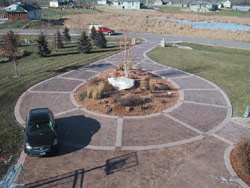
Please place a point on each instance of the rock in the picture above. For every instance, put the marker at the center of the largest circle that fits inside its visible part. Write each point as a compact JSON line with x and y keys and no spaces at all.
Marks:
{"x":110,"y":109}
{"x":129,"y":109}
{"x":121,"y":83}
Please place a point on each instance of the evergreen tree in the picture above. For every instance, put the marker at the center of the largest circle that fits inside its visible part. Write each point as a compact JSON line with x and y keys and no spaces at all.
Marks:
{"x":66,"y":35}
{"x":100,"y":40}
{"x":42,"y":46}
{"x":84,"y":44}
{"x":58,"y":41}
{"x":93,"y":34}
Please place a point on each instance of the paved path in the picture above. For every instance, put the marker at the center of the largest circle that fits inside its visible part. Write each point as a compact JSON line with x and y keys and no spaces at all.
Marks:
{"x":187,"y":145}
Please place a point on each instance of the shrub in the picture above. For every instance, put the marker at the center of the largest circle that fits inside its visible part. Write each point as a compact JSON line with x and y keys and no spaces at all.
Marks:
{"x":89,"y":92}
{"x":100,"y":88}
{"x":143,"y":84}
{"x":152,"y":84}
{"x":82,"y":96}
{"x":96,"y":91}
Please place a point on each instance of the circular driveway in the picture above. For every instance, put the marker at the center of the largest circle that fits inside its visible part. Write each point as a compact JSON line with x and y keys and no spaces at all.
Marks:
{"x":203,"y":113}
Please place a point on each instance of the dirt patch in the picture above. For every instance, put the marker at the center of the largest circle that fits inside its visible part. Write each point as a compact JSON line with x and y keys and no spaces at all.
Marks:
{"x":151,"y":22}
{"x":151,"y":94}
{"x":240,"y":160}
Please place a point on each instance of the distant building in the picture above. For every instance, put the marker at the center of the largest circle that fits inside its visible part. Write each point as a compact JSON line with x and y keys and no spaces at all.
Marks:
{"x":54,"y":4}
{"x":102,"y":2}
{"x":203,"y":7}
{"x":23,"y":10}
{"x":227,"y":4}
{"x":158,"y":2}
{"x":127,"y":4}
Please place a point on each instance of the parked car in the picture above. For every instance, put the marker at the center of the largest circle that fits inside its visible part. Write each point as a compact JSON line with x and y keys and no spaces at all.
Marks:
{"x":105,"y":30}
{"x":40,"y":134}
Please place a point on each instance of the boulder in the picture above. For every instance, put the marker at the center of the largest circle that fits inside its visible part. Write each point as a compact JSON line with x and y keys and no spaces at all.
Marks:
{"x":121,"y":83}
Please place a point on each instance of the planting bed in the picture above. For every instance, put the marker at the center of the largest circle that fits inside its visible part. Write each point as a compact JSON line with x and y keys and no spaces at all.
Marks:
{"x":240,"y":160}
{"x":150,"y":94}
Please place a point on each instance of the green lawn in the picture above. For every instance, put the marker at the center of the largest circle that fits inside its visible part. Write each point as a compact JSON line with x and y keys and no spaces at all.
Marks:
{"x":32,"y":70}
{"x":226,"y":67}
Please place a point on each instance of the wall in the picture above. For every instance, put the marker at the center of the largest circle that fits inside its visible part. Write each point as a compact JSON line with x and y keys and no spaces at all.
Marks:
{"x":17,"y":16}
{"x":35,"y":15}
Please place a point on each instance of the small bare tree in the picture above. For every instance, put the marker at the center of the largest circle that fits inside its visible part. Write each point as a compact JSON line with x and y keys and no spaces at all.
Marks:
{"x":9,"y":48}
{"x":127,"y":52}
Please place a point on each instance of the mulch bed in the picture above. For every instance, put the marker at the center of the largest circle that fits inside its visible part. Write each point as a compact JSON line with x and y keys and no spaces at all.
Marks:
{"x":136,"y":101}
{"x":240,"y":160}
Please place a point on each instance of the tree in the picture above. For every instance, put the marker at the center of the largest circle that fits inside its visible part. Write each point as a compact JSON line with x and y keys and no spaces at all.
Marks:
{"x":9,"y":48}
{"x":93,"y":33}
{"x":84,"y":44}
{"x":58,"y":41}
{"x":100,"y":40}
{"x":42,"y":46}
{"x":66,"y":35}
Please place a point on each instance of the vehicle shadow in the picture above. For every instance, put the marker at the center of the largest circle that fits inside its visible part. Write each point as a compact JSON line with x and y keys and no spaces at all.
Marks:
{"x":76,"y":178}
{"x":75,"y":133}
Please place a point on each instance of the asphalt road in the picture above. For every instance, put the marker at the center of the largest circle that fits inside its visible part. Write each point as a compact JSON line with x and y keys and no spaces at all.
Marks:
{"x":168,"y":38}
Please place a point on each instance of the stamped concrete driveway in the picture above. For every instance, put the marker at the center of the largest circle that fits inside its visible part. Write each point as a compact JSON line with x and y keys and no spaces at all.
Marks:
{"x":185,"y":146}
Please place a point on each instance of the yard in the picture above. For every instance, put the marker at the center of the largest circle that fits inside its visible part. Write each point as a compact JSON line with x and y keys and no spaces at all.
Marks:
{"x":228,"y":68}
{"x":51,"y":18}
{"x":32,"y":70}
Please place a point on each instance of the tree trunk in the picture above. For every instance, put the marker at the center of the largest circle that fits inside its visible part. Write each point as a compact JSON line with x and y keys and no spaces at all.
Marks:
{"x":15,"y":65}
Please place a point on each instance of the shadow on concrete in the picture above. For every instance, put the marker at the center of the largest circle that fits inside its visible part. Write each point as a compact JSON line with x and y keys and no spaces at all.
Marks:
{"x":75,"y":133}
{"x":76,"y":178}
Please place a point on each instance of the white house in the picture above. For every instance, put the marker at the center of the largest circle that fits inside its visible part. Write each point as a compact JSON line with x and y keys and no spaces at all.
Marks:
{"x":158,"y":2}
{"x":227,"y":4}
{"x":53,"y":4}
{"x":102,"y":2}
{"x":128,"y":4}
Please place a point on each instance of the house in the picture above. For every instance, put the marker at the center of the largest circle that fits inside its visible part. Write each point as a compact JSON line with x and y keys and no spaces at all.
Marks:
{"x":158,"y":2}
{"x":205,"y":7}
{"x":23,"y":10}
{"x":102,"y":2}
{"x":53,"y":4}
{"x":128,"y":4}
{"x":227,"y":4}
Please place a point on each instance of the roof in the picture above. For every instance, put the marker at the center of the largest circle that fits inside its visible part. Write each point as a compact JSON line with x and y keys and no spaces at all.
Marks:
{"x":21,"y":7}
{"x":41,"y":114}
{"x":127,"y":1}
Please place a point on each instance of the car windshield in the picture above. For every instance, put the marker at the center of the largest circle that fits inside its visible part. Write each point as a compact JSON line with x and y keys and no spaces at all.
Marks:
{"x":40,"y":127}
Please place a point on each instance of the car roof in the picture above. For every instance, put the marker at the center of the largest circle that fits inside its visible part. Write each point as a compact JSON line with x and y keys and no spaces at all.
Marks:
{"x":40,"y":114}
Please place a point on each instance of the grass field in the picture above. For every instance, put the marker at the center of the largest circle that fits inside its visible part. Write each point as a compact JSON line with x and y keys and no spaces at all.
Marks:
{"x":226,"y":67}
{"x":222,"y":12}
{"x":32,"y":70}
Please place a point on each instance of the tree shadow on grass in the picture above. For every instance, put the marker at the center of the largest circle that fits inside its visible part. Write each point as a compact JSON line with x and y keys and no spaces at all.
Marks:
{"x":75,"y":133}
{"x":63,"y":54}
{"x":101,"y":51}
{"x":76,"y":178}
